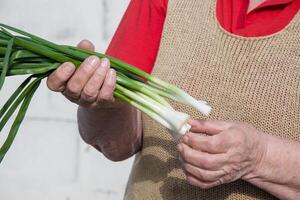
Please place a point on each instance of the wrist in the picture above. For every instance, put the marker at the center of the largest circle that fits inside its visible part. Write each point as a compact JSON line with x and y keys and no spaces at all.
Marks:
{"x":257,"y":170}
{"x":102,"y":124}
{"x":277,"y":172}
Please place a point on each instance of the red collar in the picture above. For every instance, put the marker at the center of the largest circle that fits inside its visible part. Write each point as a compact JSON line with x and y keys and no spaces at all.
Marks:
{"x":271,"y":3}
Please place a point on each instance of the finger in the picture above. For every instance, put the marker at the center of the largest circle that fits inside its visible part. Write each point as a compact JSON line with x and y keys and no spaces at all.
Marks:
{"x":92,"y":87}
{"x":87,"y":45}
{"x":210,"y":127}
{"x":106,"y":92}
{"x":77,"y":82}
{"x":58,"y":79}
{"x":198,"y":183}
{"x":202,"y":159}
{"x":210,"y":144}
{"x":202,"y":174}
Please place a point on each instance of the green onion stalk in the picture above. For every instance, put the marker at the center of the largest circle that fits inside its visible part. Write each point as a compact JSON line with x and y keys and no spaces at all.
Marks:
{"x":22,"y":53}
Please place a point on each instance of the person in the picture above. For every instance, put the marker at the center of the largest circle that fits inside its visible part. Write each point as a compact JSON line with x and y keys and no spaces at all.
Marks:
{"x":243,"y":57}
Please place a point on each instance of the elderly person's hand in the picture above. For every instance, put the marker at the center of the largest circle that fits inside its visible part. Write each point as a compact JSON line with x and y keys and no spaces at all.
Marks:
{"x":111,"y":126}
{"x":217,"y":152}
{"x":91,"y":85}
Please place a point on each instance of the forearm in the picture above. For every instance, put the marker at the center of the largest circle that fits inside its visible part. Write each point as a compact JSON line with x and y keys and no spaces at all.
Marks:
{"x":279,"y":170}
{"x":115,"y":130}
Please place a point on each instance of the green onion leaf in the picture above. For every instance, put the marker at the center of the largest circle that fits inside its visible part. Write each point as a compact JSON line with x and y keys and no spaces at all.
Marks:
{"x":20,"y":54}
{"x":2,"y":51}
{"x":18,"y":120}
{"x":33,"y":68}
{"x":3,"y":42}
{"x":6,"y":62}
{"x":15,"y":105}
{"x":14,"y":96}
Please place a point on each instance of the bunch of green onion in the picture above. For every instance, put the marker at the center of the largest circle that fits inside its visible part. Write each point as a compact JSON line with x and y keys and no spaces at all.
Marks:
{"x":22,"y":53}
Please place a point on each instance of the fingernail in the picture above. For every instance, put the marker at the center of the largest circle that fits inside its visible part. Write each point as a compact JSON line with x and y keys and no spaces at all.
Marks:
{"x":104,"y":62}
{"x":68,"y":68}
{"x":111,"y":74}
{"x":93,"y":60}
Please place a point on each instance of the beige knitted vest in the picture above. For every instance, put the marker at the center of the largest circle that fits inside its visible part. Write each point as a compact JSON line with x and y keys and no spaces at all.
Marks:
{"x":254,"y":80}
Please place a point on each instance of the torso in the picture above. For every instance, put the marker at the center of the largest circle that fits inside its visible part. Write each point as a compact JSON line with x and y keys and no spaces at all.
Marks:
{"x":255,"y":80}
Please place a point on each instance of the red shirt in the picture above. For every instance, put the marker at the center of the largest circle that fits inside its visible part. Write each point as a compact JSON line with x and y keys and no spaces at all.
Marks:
{"x":137,"y":38}
{"x":268,"y":18}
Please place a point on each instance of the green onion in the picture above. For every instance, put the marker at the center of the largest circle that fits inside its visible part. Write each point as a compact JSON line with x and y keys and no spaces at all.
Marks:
{"x":30,"y":90}
{"x":6,"y":61}
{"x":22,"y":53}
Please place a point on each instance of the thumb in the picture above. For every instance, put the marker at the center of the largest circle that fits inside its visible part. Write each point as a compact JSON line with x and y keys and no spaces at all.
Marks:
{"x":87,"y":45}
{"x":209,"y":127}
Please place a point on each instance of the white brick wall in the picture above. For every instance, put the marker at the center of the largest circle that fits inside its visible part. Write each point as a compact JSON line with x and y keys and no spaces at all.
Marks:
{"x":48,"y":159}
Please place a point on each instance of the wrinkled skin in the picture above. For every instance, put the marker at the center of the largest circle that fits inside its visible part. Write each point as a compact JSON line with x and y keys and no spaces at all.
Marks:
{"x":229,"y":151}
{"x":219,"y":152}
{"x":111,"y":126}
{"x":90,"y":85}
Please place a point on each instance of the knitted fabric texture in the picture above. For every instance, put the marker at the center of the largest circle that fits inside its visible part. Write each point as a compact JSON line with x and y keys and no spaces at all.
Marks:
{"x":253,"y":80}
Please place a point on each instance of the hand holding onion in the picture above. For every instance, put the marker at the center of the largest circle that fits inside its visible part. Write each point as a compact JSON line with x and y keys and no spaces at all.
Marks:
{"x":22,"y":53}
{"x":91,"y":85}
{"x":223,"y":153}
